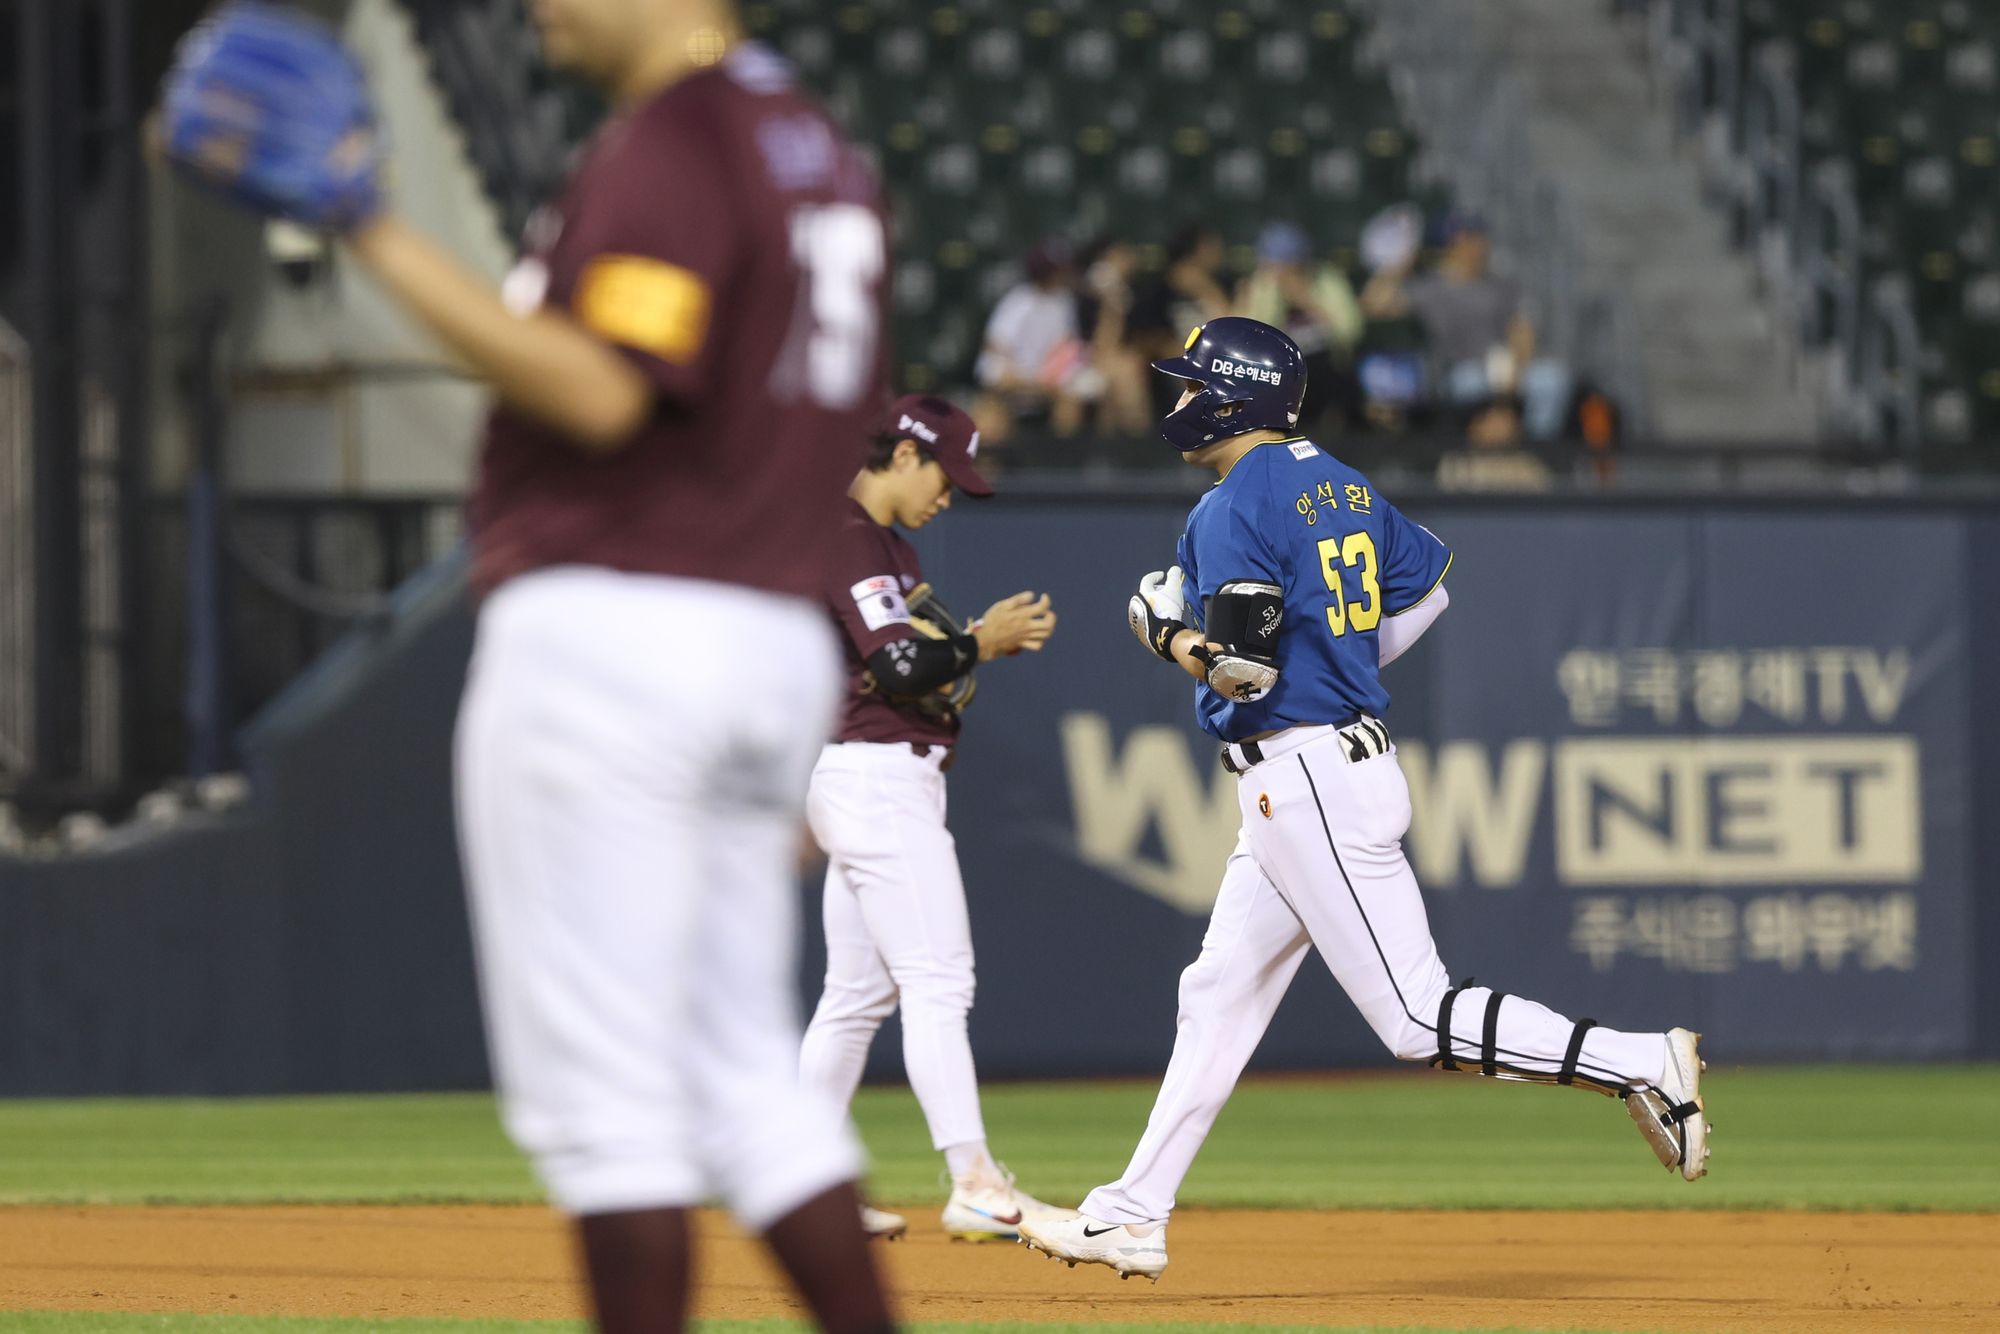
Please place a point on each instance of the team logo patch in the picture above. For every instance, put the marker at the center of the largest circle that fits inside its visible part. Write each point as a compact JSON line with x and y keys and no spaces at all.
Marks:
{"x":1304,"y":449}
{"x":880,"y":601}
{"x":1264,"y":804}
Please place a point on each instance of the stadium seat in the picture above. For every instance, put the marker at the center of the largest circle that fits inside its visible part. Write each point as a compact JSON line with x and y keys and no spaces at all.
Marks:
{"x":1905,"y":96}
{"x":995,"y":126}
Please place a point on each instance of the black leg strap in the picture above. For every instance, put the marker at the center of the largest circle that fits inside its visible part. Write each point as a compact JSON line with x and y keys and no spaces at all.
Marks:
{"x":1444,"y":1056}
{"x":1488,"y":1059}
{"x":1678,"y":1113}
{"x":1568,"y":1075}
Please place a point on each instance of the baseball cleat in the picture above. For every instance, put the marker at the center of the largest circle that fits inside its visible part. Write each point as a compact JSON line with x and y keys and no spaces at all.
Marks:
{"x":994,"y":1210}
{"x":1035,"y":1211}
{"x":1671,"y":1117}
{"x":1126,"y":1249}
{"x":989,"y":1211}
{"x":1683,"y":1090}
{"x":881,"y":1225}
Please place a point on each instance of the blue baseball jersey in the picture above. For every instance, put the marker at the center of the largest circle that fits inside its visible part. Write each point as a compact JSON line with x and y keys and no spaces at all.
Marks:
{"x":1291,"y":514}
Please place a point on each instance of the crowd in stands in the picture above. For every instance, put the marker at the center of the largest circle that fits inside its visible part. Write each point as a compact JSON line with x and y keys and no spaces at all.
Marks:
{"x":1423,"y":338}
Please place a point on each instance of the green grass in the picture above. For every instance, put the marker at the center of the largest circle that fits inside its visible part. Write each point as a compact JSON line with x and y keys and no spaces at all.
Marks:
{"x":254,"y":1150}
{"x":1906,"y":1138}
{"x":84,"y":1322}
{"x":92,"y":1322}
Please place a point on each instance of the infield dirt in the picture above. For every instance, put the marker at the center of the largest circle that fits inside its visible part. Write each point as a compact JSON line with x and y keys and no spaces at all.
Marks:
{"x":1609,"y":1271}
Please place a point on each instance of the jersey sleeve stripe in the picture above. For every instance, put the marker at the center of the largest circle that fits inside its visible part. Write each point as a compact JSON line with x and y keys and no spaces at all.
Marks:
{"x":1427,"y":592}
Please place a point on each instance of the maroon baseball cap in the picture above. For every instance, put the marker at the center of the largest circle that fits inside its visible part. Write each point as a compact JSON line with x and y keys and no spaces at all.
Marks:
{"x":943,"y":430}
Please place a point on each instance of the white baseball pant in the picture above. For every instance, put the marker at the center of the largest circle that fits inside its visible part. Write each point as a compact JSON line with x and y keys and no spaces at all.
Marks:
{"x":631,"y":845}
{"x":1320,"y":863}
{"x":896,"y":929}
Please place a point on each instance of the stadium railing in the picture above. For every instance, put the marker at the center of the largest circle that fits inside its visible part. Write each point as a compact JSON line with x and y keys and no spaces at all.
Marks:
{"x":1471,"y":112}
{"x":1786,"y":160}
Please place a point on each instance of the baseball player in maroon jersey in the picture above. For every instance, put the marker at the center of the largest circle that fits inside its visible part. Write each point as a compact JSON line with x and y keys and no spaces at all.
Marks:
{"x":688,"y":364}
{"x":896,"y":927}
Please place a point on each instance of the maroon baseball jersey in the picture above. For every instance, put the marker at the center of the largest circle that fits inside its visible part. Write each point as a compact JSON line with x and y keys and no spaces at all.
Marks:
{"x":870,"y":571}
{"x":725,"y":237}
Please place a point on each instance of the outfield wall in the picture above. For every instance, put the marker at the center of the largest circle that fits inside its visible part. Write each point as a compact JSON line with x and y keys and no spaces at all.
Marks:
{"x":1708,"y":766}
{"x":1735,"y":766}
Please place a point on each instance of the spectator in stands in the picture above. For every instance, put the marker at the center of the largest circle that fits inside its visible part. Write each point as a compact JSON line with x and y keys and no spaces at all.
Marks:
{"x":1034,"y":362}
{"x":1481,"y":342}
{"x":1104,"y":309}
{"x":1389,"y":364}
{"x":1188,"y":292}
{"x":1312,"y":301}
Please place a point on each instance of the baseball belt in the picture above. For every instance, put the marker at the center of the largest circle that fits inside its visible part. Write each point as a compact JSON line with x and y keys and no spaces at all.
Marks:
{"x":1361,"y":738}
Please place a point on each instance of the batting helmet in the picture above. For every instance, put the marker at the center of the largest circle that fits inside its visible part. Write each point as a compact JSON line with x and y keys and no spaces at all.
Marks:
{"x":1236,"y":363}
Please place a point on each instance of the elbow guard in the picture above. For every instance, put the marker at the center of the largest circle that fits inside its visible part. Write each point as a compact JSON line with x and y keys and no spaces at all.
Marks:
{"x":1243,"y":618}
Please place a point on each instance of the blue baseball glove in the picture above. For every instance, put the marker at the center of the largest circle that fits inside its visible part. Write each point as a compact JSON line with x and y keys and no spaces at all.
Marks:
{"x":266,"y":107}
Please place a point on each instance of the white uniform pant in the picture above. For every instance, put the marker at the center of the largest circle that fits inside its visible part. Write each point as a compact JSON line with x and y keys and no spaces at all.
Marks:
{"x":896,"y":929}
{"x":631,"y":842}
{"x":1324,"y":868}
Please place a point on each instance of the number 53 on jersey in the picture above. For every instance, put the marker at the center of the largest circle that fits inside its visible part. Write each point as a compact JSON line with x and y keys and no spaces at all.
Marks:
{"x":1355,"y":553}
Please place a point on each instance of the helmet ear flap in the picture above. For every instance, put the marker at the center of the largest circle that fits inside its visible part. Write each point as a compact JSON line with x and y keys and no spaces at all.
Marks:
{"x":1214,"y":413}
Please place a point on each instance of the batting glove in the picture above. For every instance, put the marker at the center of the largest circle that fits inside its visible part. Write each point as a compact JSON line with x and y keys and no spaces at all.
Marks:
{"x":1158,"y":611}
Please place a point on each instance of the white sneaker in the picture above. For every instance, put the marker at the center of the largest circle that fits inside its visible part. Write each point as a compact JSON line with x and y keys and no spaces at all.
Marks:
{"x":1080,"y":1239}
{"x":985,"y":1211}
{"x":882,"y":1225}
{"x":1671,"y":1117}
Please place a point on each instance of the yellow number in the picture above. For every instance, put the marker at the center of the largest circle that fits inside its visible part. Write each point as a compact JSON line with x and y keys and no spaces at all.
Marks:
{"x":1360,"y":547}
{"x":1357,"y":548}
{"x":1329,"y":565}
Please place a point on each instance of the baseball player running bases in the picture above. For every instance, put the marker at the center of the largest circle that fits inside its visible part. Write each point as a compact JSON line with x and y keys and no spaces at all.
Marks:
{"x":1296,"y":583}
{"x":685,"y":389}
{"x":896,"y":925}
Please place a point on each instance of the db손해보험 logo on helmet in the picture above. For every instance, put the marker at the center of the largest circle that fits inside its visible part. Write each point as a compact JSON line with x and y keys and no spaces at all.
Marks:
{"x":1237,"y":370}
